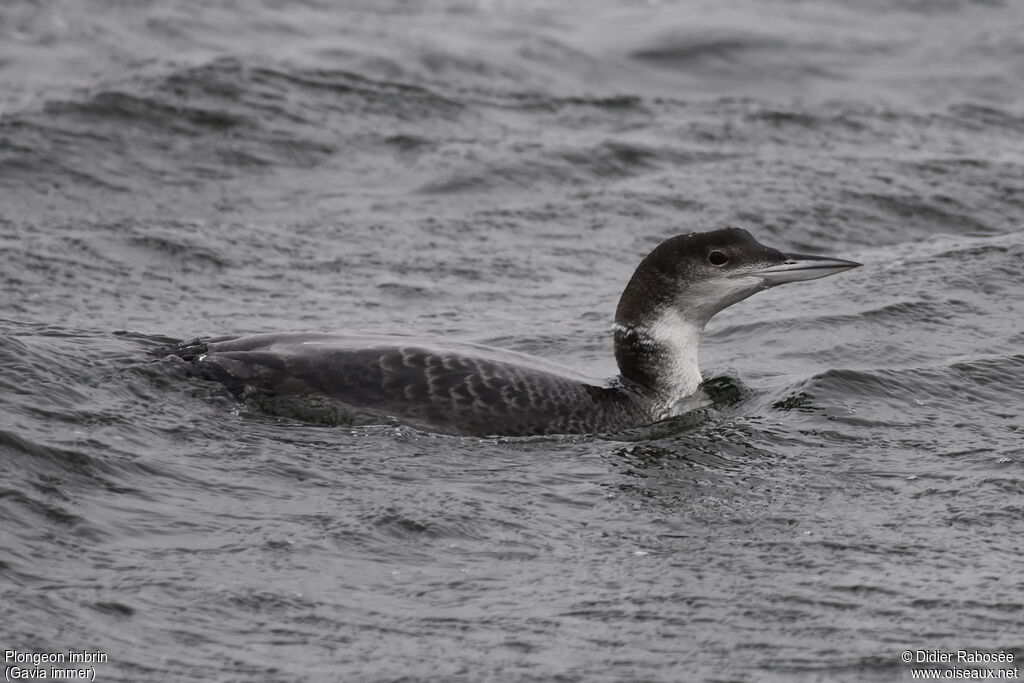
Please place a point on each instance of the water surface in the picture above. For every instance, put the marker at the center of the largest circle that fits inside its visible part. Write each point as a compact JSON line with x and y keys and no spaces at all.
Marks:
{"x":493,"y":172}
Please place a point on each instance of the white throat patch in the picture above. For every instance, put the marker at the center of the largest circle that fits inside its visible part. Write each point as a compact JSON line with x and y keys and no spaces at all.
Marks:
{"x":680,"y":340}
{"x":677,"y":339}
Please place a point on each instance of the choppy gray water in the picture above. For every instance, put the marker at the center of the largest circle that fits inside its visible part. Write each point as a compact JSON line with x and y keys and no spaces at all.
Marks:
{"x":492,"y":172}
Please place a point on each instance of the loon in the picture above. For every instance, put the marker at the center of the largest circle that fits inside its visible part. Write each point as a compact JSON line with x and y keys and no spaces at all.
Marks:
{"x":468,"y":389}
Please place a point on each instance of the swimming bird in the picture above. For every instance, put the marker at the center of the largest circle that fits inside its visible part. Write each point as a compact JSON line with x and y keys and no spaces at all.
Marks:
{"x":468,"y":389}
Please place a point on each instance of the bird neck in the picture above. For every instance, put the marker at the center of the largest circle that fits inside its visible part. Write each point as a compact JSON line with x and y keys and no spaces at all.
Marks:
{"x":658,"y":352}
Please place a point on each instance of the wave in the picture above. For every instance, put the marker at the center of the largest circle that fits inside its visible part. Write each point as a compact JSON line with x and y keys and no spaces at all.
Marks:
{"x":214,"y":121}
{"x":966,"y":395}
{"x":569,"y":166}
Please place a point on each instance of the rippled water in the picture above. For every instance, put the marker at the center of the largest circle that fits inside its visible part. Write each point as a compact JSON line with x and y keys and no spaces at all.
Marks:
{"x":493,"y":172}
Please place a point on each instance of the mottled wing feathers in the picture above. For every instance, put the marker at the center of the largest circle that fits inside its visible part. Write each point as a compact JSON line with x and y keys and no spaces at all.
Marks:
{"x":455,"y":390}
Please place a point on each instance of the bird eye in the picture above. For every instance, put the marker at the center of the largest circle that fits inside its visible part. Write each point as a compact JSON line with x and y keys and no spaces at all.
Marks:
{"x":717,"y":258}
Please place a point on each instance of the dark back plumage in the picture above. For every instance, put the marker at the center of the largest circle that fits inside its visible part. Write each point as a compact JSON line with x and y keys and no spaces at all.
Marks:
{"x":450,"y":388}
